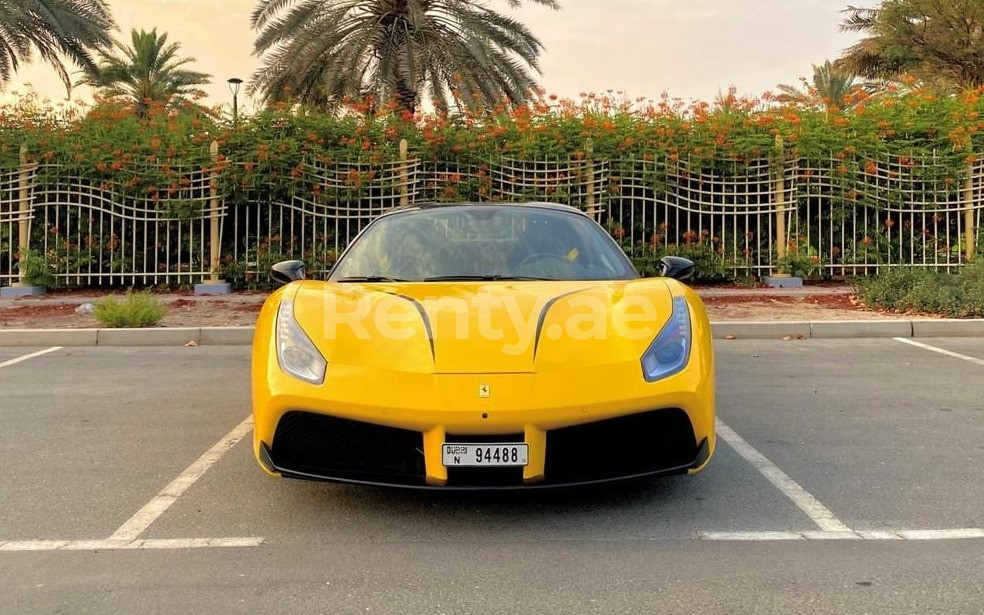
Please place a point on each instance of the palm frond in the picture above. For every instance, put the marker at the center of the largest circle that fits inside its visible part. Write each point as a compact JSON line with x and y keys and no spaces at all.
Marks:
{"x":403,"y":50}
{"x":859,"y":19}
{"x":56,"y":30}
{"x":148,"y":70}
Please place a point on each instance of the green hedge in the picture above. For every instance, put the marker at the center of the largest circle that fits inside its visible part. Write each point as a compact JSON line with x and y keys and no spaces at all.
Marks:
{"x":107,"y":142}
{"x":920,"y":290}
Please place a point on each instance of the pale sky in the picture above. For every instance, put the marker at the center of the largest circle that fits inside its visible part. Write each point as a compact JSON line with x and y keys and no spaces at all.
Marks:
{"x":690,"y":48}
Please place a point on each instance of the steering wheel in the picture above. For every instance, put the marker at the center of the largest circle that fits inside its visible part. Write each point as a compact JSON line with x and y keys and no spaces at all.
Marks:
{"x":543,"y":256}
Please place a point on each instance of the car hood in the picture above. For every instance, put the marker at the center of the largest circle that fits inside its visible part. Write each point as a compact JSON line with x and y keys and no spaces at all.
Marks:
{"x":482,"y":327}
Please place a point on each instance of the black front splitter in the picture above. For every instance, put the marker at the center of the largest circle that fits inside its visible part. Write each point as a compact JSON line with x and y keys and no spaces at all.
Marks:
{"x":703,"y":453}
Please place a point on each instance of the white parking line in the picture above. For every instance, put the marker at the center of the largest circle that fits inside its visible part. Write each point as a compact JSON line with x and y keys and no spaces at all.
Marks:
{"x":959,"y":534}
{"x":29,"y":356}
{"x":941,"y":534}
{"x":816,"y":511}
{"x":111,"y":544}
{"x":153,"y":509}
{"x":949,"y":353}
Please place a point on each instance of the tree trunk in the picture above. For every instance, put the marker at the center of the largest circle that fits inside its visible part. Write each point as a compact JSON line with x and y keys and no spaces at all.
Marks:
{"x":406,"y":97}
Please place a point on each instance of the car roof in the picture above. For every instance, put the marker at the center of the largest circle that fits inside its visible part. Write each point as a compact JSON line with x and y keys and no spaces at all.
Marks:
{"x":503,"y":205}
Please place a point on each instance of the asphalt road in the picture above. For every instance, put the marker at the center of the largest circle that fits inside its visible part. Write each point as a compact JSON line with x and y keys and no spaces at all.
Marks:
{"x":878,"y":445}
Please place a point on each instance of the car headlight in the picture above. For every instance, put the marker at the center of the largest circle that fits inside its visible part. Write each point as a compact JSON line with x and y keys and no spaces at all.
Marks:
{"x":670,"y":351}
{"x":296,"y":353}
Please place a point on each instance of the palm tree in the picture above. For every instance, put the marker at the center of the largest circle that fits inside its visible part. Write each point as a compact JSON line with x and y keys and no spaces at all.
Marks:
{"x":147,"y":72}
{"x":875,"y":55}
{"x":937,"y":43}
{"x":451,"y":51}
{"x":54,"y":29}
{"x":830,"y":89}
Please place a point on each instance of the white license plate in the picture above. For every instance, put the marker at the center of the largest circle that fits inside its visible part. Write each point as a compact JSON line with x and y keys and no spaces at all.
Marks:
{"x":485,"y":455}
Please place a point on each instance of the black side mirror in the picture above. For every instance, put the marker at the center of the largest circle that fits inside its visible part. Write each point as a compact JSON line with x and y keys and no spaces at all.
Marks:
{"x":677,"y":268}
{"x":288,"y":271}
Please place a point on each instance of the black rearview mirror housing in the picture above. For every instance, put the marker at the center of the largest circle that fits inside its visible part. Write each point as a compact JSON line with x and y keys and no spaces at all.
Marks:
{"x":286,"y":272}
{"x":677,"y":268}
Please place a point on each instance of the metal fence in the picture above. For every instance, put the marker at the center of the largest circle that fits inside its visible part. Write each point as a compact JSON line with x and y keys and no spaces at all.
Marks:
{"x":735,"y":218}
{"x":93,"y":234}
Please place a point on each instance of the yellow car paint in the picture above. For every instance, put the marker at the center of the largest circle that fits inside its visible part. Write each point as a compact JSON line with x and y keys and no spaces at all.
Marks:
{"x":443,"y":376}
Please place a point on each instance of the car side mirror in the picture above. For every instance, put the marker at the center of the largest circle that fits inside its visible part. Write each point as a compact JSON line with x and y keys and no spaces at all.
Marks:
{"x":286,"y":272}
{"x":676,"y":268}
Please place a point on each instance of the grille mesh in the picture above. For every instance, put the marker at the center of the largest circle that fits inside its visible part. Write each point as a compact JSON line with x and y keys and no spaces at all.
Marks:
{"x":341,"y":448}
{"x":623,"y":446}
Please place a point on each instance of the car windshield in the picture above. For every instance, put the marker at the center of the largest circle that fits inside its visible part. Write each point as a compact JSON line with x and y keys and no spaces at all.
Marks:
{"x":483,"y":242}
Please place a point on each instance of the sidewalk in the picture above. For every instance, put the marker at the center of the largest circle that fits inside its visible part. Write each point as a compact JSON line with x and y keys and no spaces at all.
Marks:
{"x":812,"y":312}
{"x":57,"y":310}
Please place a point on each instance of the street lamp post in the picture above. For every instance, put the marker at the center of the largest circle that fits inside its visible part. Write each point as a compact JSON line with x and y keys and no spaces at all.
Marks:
{"x":234,"y":84}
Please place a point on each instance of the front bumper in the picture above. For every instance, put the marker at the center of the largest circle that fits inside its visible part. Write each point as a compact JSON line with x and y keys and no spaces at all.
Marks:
{"x":314,"y":446}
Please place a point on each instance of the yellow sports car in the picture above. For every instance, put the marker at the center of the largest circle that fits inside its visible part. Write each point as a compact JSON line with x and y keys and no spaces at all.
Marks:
{"x":483,"y":346}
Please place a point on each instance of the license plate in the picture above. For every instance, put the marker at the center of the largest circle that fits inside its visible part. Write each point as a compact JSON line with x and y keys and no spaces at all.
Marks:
{"x":485,"y":455}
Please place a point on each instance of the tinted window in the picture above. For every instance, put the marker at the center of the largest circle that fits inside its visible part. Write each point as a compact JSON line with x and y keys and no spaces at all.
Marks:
{"x":484,"y":241}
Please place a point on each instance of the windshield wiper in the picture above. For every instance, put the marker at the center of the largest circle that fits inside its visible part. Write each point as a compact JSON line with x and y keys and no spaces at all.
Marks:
{"x":371,"y":278}
{"x":485,"y":278}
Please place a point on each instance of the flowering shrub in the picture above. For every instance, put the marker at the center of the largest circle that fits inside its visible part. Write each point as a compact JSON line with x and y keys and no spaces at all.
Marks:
{"x":108,"y":142}
{"x":284,"y":152}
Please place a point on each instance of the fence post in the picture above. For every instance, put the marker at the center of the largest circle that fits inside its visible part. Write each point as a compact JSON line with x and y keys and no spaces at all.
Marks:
{"x":589,"y":199}
{"x":24,"y":211}
{"x":215,"y":285}
{"x":780,"y":201}
{"x":215,"y":239}
{"x":404,"y":175}
{"x":968,"y":200}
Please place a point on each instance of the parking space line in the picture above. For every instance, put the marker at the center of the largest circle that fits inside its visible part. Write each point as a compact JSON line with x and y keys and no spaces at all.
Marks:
{"x":816,"y":511}
{"x":29,"y":356}
{"x":111,"y":544}
{"x":941,"y":534}
{"x":949,"y":353}
{"x":152,"y":510}
{"x":959,"y":534}
{"x":750,"y":536}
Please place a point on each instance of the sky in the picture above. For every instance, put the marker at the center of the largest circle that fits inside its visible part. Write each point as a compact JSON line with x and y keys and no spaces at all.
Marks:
{"x":692,"y":49}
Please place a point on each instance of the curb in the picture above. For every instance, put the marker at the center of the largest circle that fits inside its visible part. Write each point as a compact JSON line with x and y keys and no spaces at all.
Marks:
{"x":211,"y":336}
{"x":746,"y":330}
{"x":848,"y":329}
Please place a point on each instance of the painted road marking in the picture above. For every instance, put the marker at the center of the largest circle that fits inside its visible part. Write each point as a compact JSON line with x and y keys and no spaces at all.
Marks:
{"x":111,"y":544}
{"x":958,"y":534}
{"x":816,"y":511}
{"x":107,"y":544}
{"x":152,"y":510}
{"x":29,"y":356}
{"x":949,"y":353}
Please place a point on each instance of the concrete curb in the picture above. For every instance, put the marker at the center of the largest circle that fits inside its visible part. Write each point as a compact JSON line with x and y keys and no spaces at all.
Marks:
{"x":857,"y":329}
{"x":760,"y":330}
{"x":211,"y":336}
{"x":747,"y":330}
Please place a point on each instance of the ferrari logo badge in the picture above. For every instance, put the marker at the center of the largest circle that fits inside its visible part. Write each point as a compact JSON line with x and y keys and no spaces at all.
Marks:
{"x":484,"y":391}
